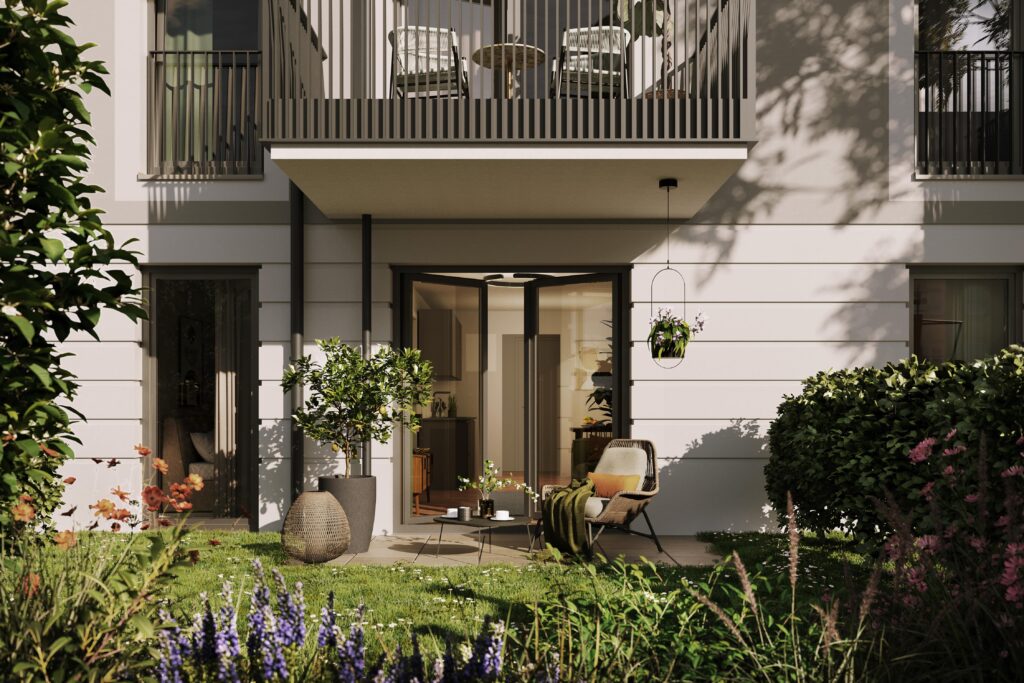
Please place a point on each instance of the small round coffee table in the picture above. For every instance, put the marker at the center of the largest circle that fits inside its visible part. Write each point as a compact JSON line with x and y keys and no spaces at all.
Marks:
{"x":510,"y":58}
{"x":484,"y":525}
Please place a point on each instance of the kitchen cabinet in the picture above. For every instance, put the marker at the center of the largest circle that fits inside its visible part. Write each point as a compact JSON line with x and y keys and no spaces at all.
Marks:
{"x":439,"y":336}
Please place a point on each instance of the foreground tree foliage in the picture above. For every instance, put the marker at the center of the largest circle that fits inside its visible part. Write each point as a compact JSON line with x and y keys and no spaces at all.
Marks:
{"x":59,"y":268}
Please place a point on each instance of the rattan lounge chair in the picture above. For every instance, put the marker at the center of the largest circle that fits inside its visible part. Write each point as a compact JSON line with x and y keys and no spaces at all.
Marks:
{"x":592,"y":61}
{"x":426,"y":61}
{"x":623,"y":456}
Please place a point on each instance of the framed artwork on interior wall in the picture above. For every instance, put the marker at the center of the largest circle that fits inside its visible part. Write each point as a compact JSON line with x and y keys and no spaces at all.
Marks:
{"x":190,"y":361}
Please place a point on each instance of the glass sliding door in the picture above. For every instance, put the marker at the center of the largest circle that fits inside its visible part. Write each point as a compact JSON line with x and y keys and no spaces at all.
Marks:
{"x":532,"y":363}
{"x":445,"y":318}
{"x":203,"y":344}
{"x":571,"y":366}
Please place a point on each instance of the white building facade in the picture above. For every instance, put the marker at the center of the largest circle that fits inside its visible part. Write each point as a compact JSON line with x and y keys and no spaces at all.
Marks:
{"x":840,"y":203}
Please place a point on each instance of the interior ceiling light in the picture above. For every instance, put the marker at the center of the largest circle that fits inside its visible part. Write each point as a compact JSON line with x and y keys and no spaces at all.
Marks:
{"x":512,"y":279}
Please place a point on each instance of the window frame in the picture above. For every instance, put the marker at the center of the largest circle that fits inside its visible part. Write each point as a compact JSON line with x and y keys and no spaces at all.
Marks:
{"x":1013,"y":275}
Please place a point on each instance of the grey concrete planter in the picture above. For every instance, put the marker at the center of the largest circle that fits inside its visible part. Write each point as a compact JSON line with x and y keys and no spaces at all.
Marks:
{"x":358,"y":497}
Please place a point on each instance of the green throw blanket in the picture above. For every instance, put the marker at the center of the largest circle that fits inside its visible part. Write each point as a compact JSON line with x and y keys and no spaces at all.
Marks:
{"x":564,"y":525}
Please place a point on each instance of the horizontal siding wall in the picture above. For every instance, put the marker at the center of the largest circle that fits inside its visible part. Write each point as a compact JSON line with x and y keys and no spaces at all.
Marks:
{"x":111,"y":370}
{"x":781,"y":302}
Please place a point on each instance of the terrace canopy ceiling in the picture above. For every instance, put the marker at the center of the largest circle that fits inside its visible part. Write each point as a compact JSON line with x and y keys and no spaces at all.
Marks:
{"x":510,"y":181}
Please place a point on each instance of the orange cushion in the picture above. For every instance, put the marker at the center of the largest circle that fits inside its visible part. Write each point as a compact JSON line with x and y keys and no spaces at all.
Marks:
{"x":607,"y":485}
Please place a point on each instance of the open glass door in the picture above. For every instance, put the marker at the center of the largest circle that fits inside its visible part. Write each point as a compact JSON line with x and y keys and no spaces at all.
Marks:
{"x":445,"y":317}
{"x":202,"y":339}
{"x":572,"y":373}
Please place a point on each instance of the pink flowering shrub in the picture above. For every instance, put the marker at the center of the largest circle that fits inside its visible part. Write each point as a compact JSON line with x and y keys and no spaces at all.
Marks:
{"x":958,"y":573}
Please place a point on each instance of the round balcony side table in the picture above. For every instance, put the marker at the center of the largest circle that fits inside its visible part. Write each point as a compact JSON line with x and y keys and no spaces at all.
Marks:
{"x":510,"y":58}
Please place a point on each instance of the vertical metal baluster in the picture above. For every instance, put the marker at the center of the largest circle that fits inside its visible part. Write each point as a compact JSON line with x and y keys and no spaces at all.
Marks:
{"x":556,"y":102}
{"x":245,"y":92}
{"x":460,"y":118}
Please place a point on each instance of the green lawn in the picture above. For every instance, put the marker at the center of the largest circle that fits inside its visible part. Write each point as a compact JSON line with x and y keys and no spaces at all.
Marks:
{"x":451,"y":602}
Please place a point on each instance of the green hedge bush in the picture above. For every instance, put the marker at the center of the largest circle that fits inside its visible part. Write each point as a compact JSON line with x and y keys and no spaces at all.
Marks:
{"x":842,"y":444}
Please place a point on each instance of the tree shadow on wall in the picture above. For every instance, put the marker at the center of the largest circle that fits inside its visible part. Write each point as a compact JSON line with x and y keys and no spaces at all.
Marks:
{"x":822,"y":109}
{"x":718,"y":478}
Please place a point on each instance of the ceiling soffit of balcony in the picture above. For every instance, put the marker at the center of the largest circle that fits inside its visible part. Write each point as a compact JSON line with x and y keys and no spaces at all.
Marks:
{"x":524,"y":182}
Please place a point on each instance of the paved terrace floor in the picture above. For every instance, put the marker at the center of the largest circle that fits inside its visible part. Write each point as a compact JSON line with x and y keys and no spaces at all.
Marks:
{"x":459,"y":546}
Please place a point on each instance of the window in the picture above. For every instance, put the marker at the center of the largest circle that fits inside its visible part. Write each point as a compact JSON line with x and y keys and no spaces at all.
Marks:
{"x":204,"y":89}
{"x":964,"y":314}
{"x":969,"y":73}
{"x":207,"y":25}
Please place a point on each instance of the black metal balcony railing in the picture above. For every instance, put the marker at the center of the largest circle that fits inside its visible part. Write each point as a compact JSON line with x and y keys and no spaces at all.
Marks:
{"x":204,"y":109}
{"x":578,"y":70}
{"x":969,"y":119}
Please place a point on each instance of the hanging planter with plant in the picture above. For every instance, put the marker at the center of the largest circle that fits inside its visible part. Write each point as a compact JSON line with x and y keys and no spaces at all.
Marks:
{"x":670,"y":334}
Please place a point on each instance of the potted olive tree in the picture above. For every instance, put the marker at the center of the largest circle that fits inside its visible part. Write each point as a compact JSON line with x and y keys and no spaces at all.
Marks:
{"x":351,"y":400}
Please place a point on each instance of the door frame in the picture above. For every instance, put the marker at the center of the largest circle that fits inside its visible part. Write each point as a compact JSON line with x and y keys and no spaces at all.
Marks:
{"x":620,"y":277}
{"x":151,"y":275}
{"x":531,"y":330}
{"x":403,"y":285}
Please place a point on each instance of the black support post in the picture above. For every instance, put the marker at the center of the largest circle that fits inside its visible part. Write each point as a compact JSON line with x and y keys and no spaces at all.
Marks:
{"x":367,"y":264}
{"x":297,"y":300}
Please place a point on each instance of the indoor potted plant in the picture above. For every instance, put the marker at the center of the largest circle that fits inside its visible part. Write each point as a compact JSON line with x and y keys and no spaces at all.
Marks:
{"x":489,"y":482}
{"x":670,"y":334}
{"x":351,"y":400}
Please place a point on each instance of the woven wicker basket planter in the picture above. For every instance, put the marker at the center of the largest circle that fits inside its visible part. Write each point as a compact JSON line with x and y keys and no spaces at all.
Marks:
{"x":315,"y":529}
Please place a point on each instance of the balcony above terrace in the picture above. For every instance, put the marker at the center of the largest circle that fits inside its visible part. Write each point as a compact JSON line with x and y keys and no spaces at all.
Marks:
{"x":507,"y":108}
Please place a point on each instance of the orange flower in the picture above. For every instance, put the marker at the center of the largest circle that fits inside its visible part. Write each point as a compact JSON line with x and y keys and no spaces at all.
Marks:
{"x":214,"y":542}
{"x":142,"y":450}
{"x":70,"y":480}
{"x":145,"y":525}
{"x":30,"y":584}
{"x":160,"y":465}
{"x":181,"y":505}
{"x":115,"y":527}
{"x":25,"y":498}
{"x":65,"y":540}
{"x":164,"y":521}
{"x":120,"y":514}
{"x":153,"y":497}
{"x":195,"y":482}
{"x":23,"y":512}
{"x":103,"y":507}
{"x":123,"y":495}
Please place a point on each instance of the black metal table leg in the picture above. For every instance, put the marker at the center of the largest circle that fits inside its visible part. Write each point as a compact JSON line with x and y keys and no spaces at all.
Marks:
{"x":437,"y":550}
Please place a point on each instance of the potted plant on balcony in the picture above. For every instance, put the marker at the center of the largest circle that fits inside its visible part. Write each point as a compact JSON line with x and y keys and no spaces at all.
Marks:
{"x":670,"y":334}
{"x":352,"y":400}
{"x":489,"y":482}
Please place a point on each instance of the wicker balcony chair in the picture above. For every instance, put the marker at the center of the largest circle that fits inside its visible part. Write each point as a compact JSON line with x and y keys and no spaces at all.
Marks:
{"x":627,"y":457}
{"x":593,"y":61}
{"x":426,"y":61}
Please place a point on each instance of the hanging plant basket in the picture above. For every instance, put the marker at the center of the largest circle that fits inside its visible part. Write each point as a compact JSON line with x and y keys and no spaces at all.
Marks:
{"x":669,"y":335}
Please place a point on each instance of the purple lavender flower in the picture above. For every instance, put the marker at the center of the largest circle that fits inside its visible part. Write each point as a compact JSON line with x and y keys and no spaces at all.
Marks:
{"x":485,"y":661}
{"x":291,"y":613}
{"x":204,"y":633}
{"x":328,"y":634}
{"x":226,"y":639}
{"x":169,"y":668}
{"x":266,"y":657}
{"x":352,"y":653}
